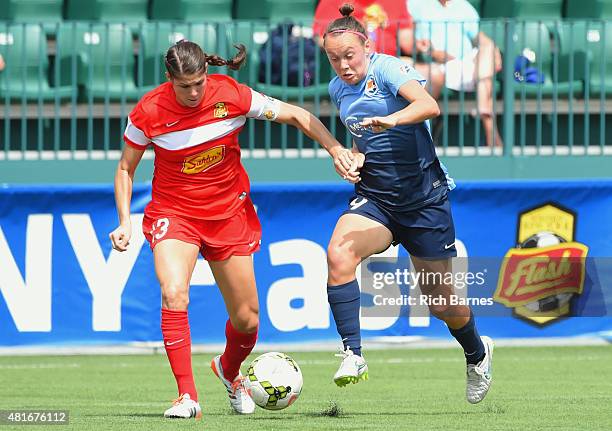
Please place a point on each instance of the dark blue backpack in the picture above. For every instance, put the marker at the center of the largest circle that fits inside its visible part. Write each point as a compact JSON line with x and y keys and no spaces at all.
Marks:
{"x":272,"y":52}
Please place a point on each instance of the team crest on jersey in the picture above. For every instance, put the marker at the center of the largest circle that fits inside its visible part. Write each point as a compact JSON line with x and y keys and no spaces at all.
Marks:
{"x":220,"y":110}
{"x":371,"y":87}
{"x":204,"y":160}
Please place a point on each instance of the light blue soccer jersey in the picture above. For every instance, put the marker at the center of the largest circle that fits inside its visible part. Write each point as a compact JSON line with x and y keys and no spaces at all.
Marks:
{"x":401,"y":170}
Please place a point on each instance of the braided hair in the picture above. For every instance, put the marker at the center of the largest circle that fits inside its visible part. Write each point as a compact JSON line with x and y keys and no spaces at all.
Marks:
{"x":187,"y":58}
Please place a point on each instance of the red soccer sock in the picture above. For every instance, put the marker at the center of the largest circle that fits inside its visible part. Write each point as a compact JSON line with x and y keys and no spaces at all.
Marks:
{"x":177,"y":340}
{"x":237,"y":348}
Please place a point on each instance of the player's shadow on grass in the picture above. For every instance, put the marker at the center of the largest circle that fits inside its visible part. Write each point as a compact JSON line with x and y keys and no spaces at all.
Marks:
{"x":351,"y":415}
{"x":147,"y":415}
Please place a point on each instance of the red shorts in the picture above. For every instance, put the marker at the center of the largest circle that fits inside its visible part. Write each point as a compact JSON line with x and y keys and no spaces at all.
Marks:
{"x":238,"y":235}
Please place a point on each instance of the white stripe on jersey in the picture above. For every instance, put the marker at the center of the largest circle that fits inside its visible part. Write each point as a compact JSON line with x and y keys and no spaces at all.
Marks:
{"x":182,"y":139}
{"x":135,"y":135}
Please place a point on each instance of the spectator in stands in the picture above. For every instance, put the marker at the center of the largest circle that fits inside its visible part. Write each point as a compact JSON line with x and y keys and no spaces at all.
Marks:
{"x":1,"y":63}
{"x":387,"y":22}
{"x":448,"y":32}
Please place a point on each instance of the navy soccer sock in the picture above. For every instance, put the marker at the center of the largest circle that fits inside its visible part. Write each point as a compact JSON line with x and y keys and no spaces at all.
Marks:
{"x":468,"y":337}
{"x":345,"y":302}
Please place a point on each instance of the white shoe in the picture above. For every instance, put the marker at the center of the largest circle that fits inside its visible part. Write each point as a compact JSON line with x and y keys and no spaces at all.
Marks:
{"x":239,"y":397}
{"x":353,"y":369}
{"x":184,"y":407}
{"x":480,"y":376}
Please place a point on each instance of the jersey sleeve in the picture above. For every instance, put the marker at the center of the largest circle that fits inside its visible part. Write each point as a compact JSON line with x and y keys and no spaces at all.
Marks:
{"x":135,"y":135}
{"x":263,"y":107}
{"x":332,"y":88}
{"x":394,"y":73}
{"x":244,"y":95}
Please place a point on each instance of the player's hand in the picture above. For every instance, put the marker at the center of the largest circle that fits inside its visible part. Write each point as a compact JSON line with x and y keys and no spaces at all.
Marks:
{"x":423,"y":45}
{"x":120,"y":237}
{"x":352,"y":175}
{"x":379,"y":124}
{"x":343,"y":159}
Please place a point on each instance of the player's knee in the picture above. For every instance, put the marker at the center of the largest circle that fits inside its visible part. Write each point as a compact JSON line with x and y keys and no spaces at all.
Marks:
{"x":175,"y":297}
{"x":246,"y":320}
{"x":341,"y":266}
{"x":341,"y":261}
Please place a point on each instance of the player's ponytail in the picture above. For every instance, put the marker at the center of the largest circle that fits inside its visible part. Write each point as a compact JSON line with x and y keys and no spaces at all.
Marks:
{"x":187,"y":58}
{"x":347,"y":24}
{"x":234,"y":63}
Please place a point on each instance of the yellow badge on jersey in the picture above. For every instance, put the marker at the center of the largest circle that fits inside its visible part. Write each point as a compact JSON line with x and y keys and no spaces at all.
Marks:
{"x":204,"y":160}
{"x":220,"y":110}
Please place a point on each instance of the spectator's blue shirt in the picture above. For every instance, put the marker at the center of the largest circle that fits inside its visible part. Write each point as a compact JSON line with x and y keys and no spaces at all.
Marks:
{"x":401,"y":170}
{"x":451,"y":28}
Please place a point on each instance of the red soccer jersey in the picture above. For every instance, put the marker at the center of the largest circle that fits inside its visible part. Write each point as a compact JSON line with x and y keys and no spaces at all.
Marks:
{"x":197,"y":173}
{"x":381,"y":18}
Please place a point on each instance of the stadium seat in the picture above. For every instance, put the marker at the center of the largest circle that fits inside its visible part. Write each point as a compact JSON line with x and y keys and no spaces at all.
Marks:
{"x":254,"y":35}
{"x":606,"y":9}
{"x":588,"y":9}
{"x":191,"y":10}
{"x":477,"y":5}
{"x":157,"y":37}
{"x":102,"y":56}
{"x":495,"y":30}
{"x":584,"y":48}
{"x":526,"y":9}
{"x":26,"y":76}
{"x":131,"y":12}
{"x":298,"y":11}
{"x":45,"y":12}
{"x":536,"y":37}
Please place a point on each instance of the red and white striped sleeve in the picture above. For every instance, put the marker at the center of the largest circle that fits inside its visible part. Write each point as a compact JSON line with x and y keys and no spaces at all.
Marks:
{"x":135,"y":137}
{"x":263,"y":107}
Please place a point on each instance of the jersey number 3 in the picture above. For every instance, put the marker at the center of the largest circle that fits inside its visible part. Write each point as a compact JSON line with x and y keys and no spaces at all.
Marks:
{"x":160,"y":228}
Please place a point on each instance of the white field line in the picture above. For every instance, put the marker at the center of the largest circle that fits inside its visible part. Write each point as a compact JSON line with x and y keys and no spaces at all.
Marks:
{"x":310,"y":362}
{"x":379,"y":343}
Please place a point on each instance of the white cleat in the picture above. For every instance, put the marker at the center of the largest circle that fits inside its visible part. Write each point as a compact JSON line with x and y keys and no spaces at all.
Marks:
{"x":239,"y":396}
{"x":184,"y":408}
{"x":480,"y":376}
{"x":353,"y":369}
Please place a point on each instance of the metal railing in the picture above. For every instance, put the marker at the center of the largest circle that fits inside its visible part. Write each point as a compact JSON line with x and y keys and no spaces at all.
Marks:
{"x":67,"y":96}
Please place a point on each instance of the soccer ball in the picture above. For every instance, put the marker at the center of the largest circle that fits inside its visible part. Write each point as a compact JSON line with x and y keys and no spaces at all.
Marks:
{"x":274,"y":381}
{"x":542,"y":239}
{"x":553,"y":302}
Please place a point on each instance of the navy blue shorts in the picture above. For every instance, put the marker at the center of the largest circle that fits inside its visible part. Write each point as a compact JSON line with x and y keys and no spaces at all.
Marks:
{"x":427,"y":232}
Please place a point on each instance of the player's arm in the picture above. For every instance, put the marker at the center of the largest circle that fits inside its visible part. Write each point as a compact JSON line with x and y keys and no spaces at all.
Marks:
{"x":124,"y":179}
{"x":422,"y":107}
{"x":267,"y":108}
{"x":312,"y":127}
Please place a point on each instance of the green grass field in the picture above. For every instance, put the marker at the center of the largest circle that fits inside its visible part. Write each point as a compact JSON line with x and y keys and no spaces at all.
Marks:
{"x":560,"y":388}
